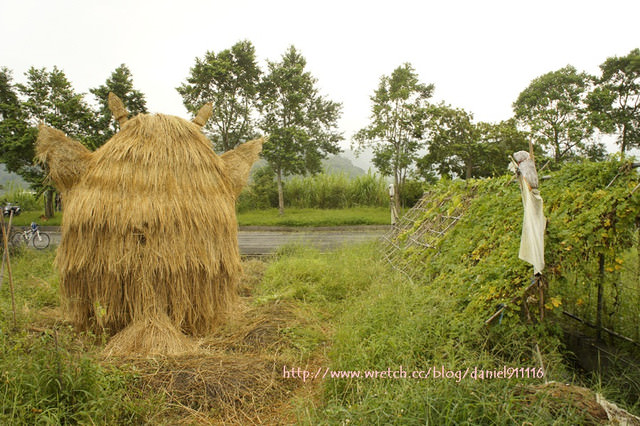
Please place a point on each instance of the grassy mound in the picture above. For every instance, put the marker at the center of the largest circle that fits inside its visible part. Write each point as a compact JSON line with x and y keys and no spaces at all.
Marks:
{"x":437,"y":319}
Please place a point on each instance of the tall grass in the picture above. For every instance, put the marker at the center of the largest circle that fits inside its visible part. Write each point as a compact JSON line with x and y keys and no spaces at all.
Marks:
{"x":335,"y":191}
{"x":378,"y":320}
{"x":50,"y":379}
{"x":322,"y":191}
{"x":48,"y":373}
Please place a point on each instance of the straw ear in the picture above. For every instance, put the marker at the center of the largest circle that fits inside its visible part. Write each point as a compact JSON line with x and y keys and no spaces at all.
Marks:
{"x":203,"y":114}
{"x":239,"y":161}
{"x":117,"y":109}
{"x":67,"y":159}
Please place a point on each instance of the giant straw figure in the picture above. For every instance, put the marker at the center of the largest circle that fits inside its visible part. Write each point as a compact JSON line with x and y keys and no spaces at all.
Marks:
{"x":149,"y":245}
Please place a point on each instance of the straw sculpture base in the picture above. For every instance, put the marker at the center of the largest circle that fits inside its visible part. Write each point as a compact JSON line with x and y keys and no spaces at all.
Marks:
{"x":150,"y":336}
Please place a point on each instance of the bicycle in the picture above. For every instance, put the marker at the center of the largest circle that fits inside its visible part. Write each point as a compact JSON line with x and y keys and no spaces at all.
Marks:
{"x":40,"y":240}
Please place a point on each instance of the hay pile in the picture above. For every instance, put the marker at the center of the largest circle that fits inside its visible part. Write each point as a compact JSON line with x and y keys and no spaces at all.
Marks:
{"x":259,"y":329}
{"x":236,"y":375}
{"x":149,"y":235}
{"x":220,"y":388}
{"x":594,"y":407}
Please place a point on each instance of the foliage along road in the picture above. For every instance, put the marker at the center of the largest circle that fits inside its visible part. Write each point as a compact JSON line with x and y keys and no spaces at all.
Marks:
{"x":261,"y":240}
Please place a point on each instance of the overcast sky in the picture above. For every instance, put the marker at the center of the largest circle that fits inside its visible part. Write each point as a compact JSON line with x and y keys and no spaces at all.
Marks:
{"x":479,"y":54}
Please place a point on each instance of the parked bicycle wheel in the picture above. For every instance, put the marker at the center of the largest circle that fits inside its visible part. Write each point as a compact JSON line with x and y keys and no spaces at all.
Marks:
{"x":41,"y":240}
{"x":17,"y":239}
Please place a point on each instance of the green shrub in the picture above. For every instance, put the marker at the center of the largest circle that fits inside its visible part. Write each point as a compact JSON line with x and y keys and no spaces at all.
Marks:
{"x":20,"y":197}
{"x":262,"y":193}
{"x":49,"y":380}
{"x":411,"y":192}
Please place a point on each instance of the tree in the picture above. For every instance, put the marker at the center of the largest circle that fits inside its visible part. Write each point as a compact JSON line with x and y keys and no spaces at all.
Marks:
{"x":299,"y":121}
{"x":469,"y":150}
{"x":455,"y":146}
{"x":501,"y":140}
{"x":121,"y":84}
{"x":615,"y":101}
{"x":16,"y":138}
{"x":229,"y":80}
{"x":552,"y":108}
{"x":397,"y":122}
{"x":50,"y":99}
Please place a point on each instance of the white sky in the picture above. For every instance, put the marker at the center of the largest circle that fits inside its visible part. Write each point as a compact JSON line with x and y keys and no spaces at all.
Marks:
{"x":479,"y":54}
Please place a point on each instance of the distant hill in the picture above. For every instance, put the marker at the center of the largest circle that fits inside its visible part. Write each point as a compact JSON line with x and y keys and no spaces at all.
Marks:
{"x":363,"y":159}
{"x":333,"y":164}
{"x":340,"y":164}
{"x":10,"y":180}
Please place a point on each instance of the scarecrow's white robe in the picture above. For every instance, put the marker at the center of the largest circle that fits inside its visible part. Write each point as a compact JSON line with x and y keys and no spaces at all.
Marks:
{"x":533,"y":227}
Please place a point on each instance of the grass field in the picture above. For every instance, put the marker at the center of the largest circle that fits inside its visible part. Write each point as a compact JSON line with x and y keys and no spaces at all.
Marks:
{"x":303,"y":310}
{"x":316,"y":217}
{"x":269,"y":217}
{"x":26,"y":217}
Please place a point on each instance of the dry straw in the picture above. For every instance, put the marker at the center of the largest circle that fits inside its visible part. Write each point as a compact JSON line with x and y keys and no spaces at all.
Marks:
{"x":224,"y":389}
{"x":236,"y":375}
{"x":149,"y":234}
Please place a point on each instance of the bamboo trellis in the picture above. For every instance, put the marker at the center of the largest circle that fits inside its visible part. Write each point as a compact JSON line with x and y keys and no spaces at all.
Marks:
{"x":421,"y":228}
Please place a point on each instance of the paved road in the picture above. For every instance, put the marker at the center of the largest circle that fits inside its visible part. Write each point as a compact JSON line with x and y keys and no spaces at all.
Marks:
{"x":266,"y":240}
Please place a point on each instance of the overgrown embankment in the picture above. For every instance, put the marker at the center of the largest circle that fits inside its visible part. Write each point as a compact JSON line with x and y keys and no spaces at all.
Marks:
{"x":437,"y":319}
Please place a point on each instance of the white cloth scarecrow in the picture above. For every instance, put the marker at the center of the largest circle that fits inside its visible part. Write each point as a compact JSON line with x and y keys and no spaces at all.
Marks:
{"x":534,"y":222}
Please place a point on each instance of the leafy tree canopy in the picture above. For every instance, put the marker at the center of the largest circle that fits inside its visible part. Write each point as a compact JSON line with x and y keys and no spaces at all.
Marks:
{"x":552,"y":108}
{"x":16,"y":148}
{"x":615,"y":102}
{"x":121,"y":84}
{"x":455,"y":147}
{"x":229,"y":80}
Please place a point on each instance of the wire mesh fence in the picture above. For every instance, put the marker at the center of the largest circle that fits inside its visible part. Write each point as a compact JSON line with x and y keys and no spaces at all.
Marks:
{"x":421,"y":228}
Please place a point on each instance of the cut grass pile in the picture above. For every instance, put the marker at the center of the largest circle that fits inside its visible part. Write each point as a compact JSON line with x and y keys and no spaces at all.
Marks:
{"x":51,"y":374}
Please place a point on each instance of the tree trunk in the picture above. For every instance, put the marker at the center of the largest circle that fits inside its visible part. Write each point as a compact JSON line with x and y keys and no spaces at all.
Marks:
{"x":397,"y":189}
{"x":280,"y":192}
{"x":48,"y":203}
{"x":557,"y":155}
{"x":469,"y":170}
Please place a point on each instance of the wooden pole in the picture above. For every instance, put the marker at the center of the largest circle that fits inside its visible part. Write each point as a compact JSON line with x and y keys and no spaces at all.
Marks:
{"x":5,"y":237}
{"x":600,"y":297}
{"x":4,"y":252}
{"x":540,"y":297}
